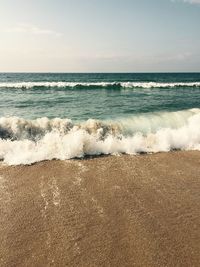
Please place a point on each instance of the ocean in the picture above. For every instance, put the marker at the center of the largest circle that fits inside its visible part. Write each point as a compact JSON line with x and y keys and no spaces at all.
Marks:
{"x":46,"y":116}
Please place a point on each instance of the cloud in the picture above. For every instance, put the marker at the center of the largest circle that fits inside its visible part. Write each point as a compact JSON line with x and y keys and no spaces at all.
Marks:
{"x":192,"y":1}
{"x":188,"y":1}
{"x":31,"y":29}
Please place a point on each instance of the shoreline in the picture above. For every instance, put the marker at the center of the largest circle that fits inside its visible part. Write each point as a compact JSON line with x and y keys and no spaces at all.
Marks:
{"x":141,"y":210}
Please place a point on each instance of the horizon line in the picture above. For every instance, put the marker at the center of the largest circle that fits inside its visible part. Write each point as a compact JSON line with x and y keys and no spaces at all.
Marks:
{"x":62,"y":72}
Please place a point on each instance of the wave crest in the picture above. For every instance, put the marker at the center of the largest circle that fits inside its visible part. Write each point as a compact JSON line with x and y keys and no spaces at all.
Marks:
{"x":28,"y":141}
{"x":147,"y":85}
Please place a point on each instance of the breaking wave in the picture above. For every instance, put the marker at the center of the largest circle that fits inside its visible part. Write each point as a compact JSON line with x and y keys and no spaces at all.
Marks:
{"x":29,"y":85}
{"x":28,"y":141}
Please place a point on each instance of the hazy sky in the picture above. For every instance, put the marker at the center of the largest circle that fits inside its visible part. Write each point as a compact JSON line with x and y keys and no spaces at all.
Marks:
{"x":99,"y":35}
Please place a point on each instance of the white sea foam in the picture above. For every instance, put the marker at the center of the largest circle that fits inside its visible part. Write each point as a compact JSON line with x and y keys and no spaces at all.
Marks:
{"x":159,"y":85}
{"x":25,"y":141}
{"x":148,"y":85}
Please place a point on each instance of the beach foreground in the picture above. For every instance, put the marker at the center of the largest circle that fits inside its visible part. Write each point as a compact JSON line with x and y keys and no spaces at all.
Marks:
{"x":106,"y":211}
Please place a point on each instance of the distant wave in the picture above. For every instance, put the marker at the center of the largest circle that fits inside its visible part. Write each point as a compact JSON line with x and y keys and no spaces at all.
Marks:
{"x":28,"y":141}
{"x":29,"y":85}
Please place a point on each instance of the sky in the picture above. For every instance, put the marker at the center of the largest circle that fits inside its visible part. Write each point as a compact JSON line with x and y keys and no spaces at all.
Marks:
{"x":99,"y":35}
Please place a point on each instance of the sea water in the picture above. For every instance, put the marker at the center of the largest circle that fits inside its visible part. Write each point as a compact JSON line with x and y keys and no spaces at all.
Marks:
{"x":48,"y":116}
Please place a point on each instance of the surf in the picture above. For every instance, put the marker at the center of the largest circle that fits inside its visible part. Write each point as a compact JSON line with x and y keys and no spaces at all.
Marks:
{"x":27,"y":141}
{"x":117,"y":84}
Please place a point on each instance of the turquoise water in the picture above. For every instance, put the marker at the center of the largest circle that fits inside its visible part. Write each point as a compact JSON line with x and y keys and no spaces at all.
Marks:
{"x":89,"y":97}
{"x":64,"y":116}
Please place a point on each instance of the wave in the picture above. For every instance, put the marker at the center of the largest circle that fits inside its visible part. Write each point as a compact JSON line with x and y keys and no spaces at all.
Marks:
{"x":147,"y":85}
{"x":28,"y":141}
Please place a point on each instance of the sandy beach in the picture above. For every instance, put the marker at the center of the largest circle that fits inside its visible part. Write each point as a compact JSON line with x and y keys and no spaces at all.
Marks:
{"x":105,"y":211}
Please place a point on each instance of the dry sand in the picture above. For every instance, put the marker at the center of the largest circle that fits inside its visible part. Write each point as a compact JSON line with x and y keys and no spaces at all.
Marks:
{"x":107,"y":211}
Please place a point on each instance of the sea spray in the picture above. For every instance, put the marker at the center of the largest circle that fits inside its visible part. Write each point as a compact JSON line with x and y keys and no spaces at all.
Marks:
{"x":28,"y":141}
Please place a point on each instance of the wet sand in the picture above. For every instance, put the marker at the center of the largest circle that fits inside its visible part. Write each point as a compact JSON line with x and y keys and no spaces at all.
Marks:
{"x":107,"y":211}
